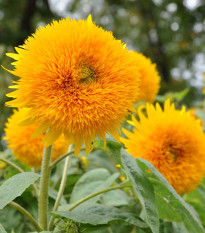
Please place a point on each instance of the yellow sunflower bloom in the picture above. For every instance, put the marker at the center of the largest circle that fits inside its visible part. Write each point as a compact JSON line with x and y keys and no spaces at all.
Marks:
{"x":150,"y":79}
{"x":25,"y":148}
{"x":77,"y":79}
{"x":173,"y":141}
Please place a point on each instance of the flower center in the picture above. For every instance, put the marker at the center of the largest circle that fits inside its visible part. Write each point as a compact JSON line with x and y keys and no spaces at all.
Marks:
{"x":173,"y":154}
{"x":87,"y":75}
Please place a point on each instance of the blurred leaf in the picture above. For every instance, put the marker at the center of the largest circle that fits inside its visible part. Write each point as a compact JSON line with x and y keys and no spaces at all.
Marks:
{"x":143,"y":189}
{"x":92,"y":181}
{"x":9,"y":213}
{"x":100,"y":159}
{"x":197,"y":199}
{"x":96,"y":214}
{"x":115,"y":198}
{"x":170,"y":200}
{"x":2,"y":230}
{"x":42,"y":232}
{"x":178,"y":96}
{"x":15,"y":186}
{"x":53,"y":194}
{"x":165,"y":227}
{"x":179,"y":228}
{"x":200,"y":114}
{"x":112,"y":147}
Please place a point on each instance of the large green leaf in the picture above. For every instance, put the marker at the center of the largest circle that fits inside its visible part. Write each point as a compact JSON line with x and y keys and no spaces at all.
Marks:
{"x":197,"y":199}
{"x":112,"y":147}
{"x":143,"y":189}
{"x":42,"y":232}
{"x":15,"y":186}
{"x":171,"y":203}
{"x":2,"y":230}
{"x":96,"y":214}
{"x":92,"y":181}
{"x":53,"y":194}
{"x":116,"y":198}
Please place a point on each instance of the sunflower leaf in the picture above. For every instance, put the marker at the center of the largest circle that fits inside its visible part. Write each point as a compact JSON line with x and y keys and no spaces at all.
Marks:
{"x":92,"y":181}
{"x":15,"y":186}
{"x":143,"y":189}
{"x":171,"y":206}
{"x":96,"y":214}
{"x":2,"y":230}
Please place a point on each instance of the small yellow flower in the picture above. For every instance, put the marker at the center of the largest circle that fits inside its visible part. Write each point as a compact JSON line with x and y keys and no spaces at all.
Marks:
{"x":173,"y":141}
{"x":2,"y":165}
{"x":84,"y":162}
{"x":25,"y":148}
{"x":149,"y":80}
{"x":76,"y":79}
{"x":122,"y":178}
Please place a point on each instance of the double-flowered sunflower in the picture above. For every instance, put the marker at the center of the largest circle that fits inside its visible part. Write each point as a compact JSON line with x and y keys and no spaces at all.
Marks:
{"x":173,"y":141}
{"x":76,"y":79}
{"x":25,"y":148}
{"x":149,"y":79}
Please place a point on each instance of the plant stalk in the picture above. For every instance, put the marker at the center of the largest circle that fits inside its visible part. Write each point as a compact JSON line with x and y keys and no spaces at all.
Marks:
{"x":12,"y":165}
{"x":77,"y":203}
{"x":61,"y":189}
{"x":54,"y":163}
{"x":43,"y":193}
{"x":27,"y":215}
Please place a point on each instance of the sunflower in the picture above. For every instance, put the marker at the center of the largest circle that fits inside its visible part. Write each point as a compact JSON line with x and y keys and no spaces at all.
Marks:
{"x":173,"y":141}
{"x":150,"y":79}
{"x":76,"y":79}
{"x":25,"y":148}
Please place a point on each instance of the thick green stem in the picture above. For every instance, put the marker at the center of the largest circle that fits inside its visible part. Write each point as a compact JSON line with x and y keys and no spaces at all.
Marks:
{"x":19,"y":170}
{"x":27,"y":215}
{"x":96,"y":194}
{"x":44,"y":183}
{"x":61,"y":189}
{"x":54,"y":163}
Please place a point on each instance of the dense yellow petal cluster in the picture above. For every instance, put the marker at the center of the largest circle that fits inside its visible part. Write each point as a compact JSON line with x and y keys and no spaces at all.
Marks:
{"x":77,"y":79}
{"x":149,"y":80}
{"x":25,"y":148}
{"x":173,"y":141}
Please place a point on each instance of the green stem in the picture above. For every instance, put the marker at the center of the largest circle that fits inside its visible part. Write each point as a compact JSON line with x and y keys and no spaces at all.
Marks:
{"x":27,"y":215}
{"x":44,"y":183}
{"x":19,"y":170}
{"x":12,"y":165}
{"x":54,"y":163}
{"x":61,"y":189}
{"x":96,"y":194}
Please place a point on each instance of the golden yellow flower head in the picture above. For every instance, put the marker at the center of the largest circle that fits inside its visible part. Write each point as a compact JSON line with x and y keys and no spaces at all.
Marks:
{"x":173,"y":141}
{"x":25,"y":148}
{"x":150,"y":79}
{"x":77,"y":79}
